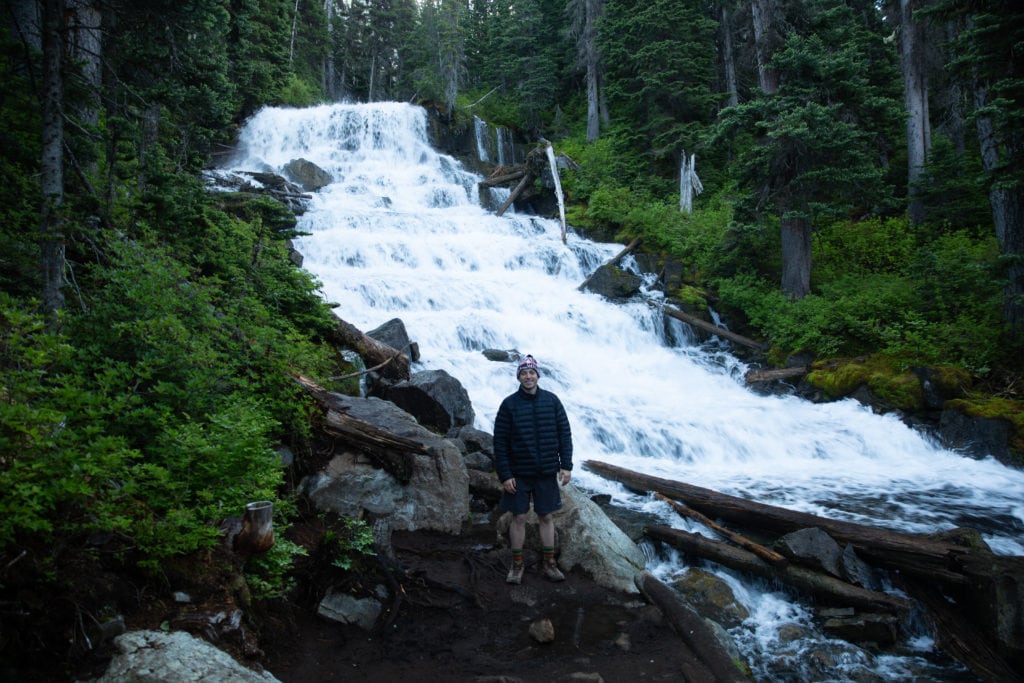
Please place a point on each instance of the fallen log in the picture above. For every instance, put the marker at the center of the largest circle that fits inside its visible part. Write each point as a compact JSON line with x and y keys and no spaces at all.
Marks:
{"x":393,"y":453}
{"x":709,"y":327}
{"x":515,"y":193}
{"x":754,"y":376}
{"x":917,"y":555}
{"x":502,"y":179}
{"x":822,"y":586}
{"x":713,"y":662}
{"x":614,"y":260}
{"x":766,"y":554}
{"x":393,"y":363}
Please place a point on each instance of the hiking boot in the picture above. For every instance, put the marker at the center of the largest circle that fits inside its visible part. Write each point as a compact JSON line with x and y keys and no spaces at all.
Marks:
{"x":552,"y":572}
{"x":515,"y":573}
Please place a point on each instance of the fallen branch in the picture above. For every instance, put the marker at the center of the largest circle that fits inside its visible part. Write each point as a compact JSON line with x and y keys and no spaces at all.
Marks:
{"x":515,"y":193}
{"x":709,"y":327}
{"x":614,"y":260}
{"x":765,"y":554}
{"x":753,"y":376}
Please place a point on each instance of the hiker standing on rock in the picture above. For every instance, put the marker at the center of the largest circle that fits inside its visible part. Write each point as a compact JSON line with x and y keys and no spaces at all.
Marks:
{"x":532,"y":455}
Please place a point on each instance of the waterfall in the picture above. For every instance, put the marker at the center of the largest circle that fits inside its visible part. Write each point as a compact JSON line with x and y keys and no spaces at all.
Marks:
{"x":400,"y":233}
{"x":553,"y":165}
{"x":480,"y":129}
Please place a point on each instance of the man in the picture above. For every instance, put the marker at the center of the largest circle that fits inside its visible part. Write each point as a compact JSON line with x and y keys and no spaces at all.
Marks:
{"x":532,"y":455}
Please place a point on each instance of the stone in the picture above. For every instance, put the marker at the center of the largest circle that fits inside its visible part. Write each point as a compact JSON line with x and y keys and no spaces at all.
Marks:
{"x":543,"y":631}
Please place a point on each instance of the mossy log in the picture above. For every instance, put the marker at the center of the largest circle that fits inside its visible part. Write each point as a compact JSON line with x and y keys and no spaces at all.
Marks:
{"x":707,"y":659}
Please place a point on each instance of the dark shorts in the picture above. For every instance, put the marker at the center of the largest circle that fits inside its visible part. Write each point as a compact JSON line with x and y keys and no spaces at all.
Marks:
{"x":542,"y":490}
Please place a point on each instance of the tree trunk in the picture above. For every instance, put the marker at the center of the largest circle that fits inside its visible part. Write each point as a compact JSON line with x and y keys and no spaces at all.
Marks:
{"x":796,"y":257}
{"x":728,"y":60}
{"x":257,"y":534}
{"x":766,"y":41}
{"x":52,"y":162}
{"x":754,"y":376}
{"x":1007,"y":202}
{"x":710,"y":661}
{"x":915,"y":93}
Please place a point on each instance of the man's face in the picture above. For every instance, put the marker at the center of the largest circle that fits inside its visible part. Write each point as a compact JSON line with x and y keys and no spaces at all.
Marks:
{"x":528,"y":379}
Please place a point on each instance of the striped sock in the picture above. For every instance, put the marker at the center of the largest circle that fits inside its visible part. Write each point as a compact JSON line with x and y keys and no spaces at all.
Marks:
{"x":517,"y":556}
{"x":549,"y":554}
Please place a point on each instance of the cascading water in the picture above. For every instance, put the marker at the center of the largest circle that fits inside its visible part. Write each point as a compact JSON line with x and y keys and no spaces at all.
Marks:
{"x":400,"y":233}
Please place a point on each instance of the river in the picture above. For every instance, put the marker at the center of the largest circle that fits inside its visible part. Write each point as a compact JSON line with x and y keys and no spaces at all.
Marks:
{"x":401,"y":232}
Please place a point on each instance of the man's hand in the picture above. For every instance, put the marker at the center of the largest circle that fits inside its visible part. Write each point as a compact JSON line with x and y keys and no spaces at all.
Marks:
{"x":564,"y":476}
{"x":509,"y":485}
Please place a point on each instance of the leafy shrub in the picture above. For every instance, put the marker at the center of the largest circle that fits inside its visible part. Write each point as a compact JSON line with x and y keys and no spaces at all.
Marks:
{"x":875,"y":245}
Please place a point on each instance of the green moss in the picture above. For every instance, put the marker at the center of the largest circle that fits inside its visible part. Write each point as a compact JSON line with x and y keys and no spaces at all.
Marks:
{"x":883,"y":375}
{"x":691,"y":296}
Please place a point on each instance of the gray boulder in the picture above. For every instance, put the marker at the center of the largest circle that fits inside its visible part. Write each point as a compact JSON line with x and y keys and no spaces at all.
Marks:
{"x":175,"y":657}
{"x":435,"y":398}
{"x":436,"y":497}
{"x":307,"y":174}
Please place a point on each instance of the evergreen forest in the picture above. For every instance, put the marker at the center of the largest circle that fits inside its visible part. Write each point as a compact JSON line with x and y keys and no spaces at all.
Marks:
{"x":862,"y":204}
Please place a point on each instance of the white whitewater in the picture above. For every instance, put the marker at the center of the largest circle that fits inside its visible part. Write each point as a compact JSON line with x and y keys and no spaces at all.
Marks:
{"x":400,"y":233}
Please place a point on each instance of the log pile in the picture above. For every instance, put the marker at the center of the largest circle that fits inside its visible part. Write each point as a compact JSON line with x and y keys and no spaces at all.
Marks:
{"x":974,"y":599}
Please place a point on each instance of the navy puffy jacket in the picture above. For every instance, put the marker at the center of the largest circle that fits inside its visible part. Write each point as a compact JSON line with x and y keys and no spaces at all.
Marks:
{"x":531,"y":436}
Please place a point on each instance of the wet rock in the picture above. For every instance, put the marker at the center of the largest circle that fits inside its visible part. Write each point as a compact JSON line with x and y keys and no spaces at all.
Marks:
{"x":711,"y":597}
{"x":435,"y":398}
{"x":394,"y":334}
{"x":307,"y":174}
{"x":812,"y":547}
{"x":879,"y":629}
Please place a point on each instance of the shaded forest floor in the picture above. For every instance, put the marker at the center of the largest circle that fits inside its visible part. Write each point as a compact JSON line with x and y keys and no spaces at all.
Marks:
{"x":459,"y":621}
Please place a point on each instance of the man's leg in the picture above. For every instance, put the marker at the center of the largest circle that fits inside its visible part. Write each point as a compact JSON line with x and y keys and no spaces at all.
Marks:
{"x":516,"y":538}
{"x":546,"y":525}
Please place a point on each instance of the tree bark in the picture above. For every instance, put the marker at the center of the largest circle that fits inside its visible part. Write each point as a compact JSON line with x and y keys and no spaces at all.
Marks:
{"x":796,"y":256}
{"x":728,"y":60}
{"x":766,"y":41}
{"x":754,"y":376}
{"x":394,"y":362}
{"x":915,"y":94}
{"x":821,"y":586}
{"x":502,"y":179}
{"x":712,"y":662}
{"x":51,"y":227}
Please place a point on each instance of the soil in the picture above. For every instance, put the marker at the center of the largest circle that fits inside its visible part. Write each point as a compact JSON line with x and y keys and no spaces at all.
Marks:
{"x":458,"y":620}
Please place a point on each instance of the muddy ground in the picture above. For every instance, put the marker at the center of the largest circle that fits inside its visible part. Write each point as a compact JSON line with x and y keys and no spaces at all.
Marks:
{"x":459,"y":621}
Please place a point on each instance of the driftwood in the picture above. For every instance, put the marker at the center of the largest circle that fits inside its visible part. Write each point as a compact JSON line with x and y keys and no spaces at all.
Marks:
{"x":766,"y":554}
{"x":822,"y":586}
{"x":753,"y":376}
{"x":614,"y":260}
{"x":708,"y":660}
{"x":392,"y":362}
{"x":502,"y":179}
{"x":709,"y":327}
{"x":914,"y":554}
{"x":527,"y":177}
{"x":392,"y":452}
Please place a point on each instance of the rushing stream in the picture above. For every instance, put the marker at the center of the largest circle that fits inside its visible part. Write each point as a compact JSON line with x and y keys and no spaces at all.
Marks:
{"x":401,"y":233}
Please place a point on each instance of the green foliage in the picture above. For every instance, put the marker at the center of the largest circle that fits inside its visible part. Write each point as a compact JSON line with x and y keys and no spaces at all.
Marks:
{"x":353,"y":543}
{"x":298,"y":92}
{"x":875,"y":245}
{"x":267,"y":574}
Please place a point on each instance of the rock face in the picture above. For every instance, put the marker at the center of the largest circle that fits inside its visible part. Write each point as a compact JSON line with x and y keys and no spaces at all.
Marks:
{"x":435,"y":398}
{"x":175,"y":657}
{"x":436,"y":497}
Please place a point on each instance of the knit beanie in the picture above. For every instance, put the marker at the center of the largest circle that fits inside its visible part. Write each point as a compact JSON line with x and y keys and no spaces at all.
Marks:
{"x":527,"y":363}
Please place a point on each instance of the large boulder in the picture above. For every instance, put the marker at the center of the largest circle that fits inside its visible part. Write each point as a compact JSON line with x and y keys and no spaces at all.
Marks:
{"x":614,"y":283}
{"x":175,"y":657}
{"x":307,"y":174}
{"x":587,"y":539}
{"x":436,"y":497}
{"x":435,"y":398}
